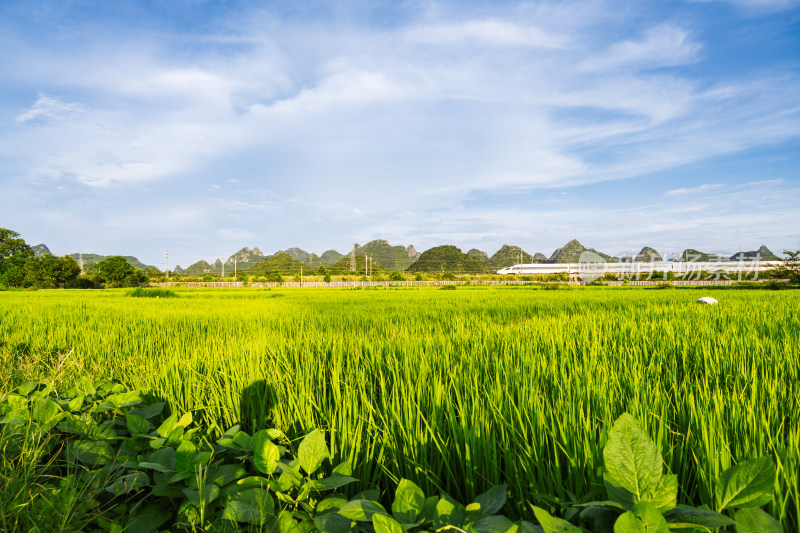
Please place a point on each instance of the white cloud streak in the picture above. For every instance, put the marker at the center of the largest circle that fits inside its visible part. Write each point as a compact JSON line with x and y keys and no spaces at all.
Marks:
{"x":356,"y":124}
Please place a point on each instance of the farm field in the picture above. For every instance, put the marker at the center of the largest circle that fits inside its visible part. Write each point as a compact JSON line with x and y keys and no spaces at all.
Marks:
{"x":455,"y":390}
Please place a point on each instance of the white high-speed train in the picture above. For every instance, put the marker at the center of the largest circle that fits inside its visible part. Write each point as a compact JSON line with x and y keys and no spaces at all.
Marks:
{"x":634,"y":268}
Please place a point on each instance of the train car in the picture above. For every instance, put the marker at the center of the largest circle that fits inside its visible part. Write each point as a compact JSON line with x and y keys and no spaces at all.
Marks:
{"x":635,"y":268}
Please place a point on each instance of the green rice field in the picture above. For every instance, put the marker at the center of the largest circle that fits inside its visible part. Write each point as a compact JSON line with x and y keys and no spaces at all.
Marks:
{"x":455,"y":390}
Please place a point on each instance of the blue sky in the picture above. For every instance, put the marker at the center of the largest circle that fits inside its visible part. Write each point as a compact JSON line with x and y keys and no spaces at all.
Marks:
{"x":204,"y":127}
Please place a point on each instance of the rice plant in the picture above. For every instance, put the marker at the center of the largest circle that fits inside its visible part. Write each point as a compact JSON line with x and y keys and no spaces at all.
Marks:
{"x":456,"y":391}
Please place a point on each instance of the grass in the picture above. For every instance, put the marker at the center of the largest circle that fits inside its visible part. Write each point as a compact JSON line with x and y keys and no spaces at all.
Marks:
{"x":456,"y":392}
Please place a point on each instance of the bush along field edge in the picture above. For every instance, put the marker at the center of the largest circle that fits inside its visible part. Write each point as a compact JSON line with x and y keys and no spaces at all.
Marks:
{"x":101,"y":457}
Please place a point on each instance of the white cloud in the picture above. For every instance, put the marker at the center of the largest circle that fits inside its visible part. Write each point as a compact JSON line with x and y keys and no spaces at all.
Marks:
{"x":663,"y":46}
{"x":47,"y":109}
{"x":487,"y":32}
{"x":694,"y":190}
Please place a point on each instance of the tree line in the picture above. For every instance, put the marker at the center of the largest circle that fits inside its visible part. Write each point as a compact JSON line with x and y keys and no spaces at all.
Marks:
{"x":20,"y":267}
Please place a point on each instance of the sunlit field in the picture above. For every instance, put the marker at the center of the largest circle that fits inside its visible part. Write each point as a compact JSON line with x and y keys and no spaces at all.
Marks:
{"x":456,"y":390}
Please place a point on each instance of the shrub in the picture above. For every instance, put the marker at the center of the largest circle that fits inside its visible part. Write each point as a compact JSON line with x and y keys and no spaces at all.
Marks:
{"x":327,"y":278}
{"x":396,"y":276}
{"x":152,"y":292}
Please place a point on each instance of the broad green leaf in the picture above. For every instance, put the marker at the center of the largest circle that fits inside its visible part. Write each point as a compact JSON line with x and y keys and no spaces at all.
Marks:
{"x":155,"y":466}
{"x":124,"y":399}
{"x":178,"y":476}
{"x":233,"y":430}
{"x":265,"y":453}
{"x":753,"y":520}
{"x":242,"y":440}
{"x":275,"y":434}
{"x":250,"y":506}
{"x":224,"y":474}
{"x":386,"y":524}
{"x":45,"y":412}
{"x":684,"y":516}
{"x":73,"y":424}
{"x":447,"y":514}
{"x":528,"y":527}
{"x":312,"y":451}
{"x":408,"y":501}
{"x":332,"y":482}
{"x":344,"y":468}
{"x":552,"y":524}
{"x":137,"y":425}
{"x":167,"y":426}
{"x":304,"y":526}
{"x":185,"y":420}
{"x":26,"y":388}
{"x":494,"y":524}
{"x":128,"y":483}
{"x":91,"y":453}
{"x":75,"y":403}
{"x":645,"y":518}
{"x":333,"y":523}
{"x":748,"y":484}
{"x":332,"y":503}
{"x":289,"y":475}
{"x":285,"y":522}
{"x":164,"y":457}
{"x":361,"y":510}
{"x":147,"y":519}
{"x":184,"y":456}
{"x":175,"y":436}
{"x":84,"y":386}
{"x":665,"y":497}
{"x":493,"y":499}
{"x":632,"y":462}
{"x":150,"y":411}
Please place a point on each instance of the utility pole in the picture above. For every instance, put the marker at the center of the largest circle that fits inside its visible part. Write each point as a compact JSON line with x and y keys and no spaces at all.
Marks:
{"x":234,"y":267}
{"x":80,"y":261}
{"x":166,"y":259}
{"x":223,"y":266}
{"x":353,"y":259}
{"x":301,"y":275}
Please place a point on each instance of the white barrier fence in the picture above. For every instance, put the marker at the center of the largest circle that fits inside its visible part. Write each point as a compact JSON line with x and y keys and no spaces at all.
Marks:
{"x":356,"y":284}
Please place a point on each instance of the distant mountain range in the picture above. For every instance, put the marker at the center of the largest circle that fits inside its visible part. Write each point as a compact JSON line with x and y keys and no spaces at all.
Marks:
{"x":386,"y":258}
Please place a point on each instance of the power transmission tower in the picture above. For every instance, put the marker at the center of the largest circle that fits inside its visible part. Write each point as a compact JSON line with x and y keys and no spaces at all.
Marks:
{"x":166,"y":259}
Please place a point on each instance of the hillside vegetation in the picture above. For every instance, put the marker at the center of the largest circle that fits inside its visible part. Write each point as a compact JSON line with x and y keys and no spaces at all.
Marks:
{"x":390,"y":257}
{"x":571,"y":253}
{"x":280,"y":263}
{"x":509,"y":255}
{"x":448,"y":258}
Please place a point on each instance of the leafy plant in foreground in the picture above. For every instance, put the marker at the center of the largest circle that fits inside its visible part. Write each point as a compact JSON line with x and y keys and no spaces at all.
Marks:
{"x":116,"y":463}
{"x":641,"y":497}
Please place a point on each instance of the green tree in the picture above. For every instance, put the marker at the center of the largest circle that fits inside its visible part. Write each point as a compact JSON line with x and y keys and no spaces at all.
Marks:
{"x":115,"y":270}
{"x":790,"y":269}
{"x":14,"y":252}
{"x":51,"y":272}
